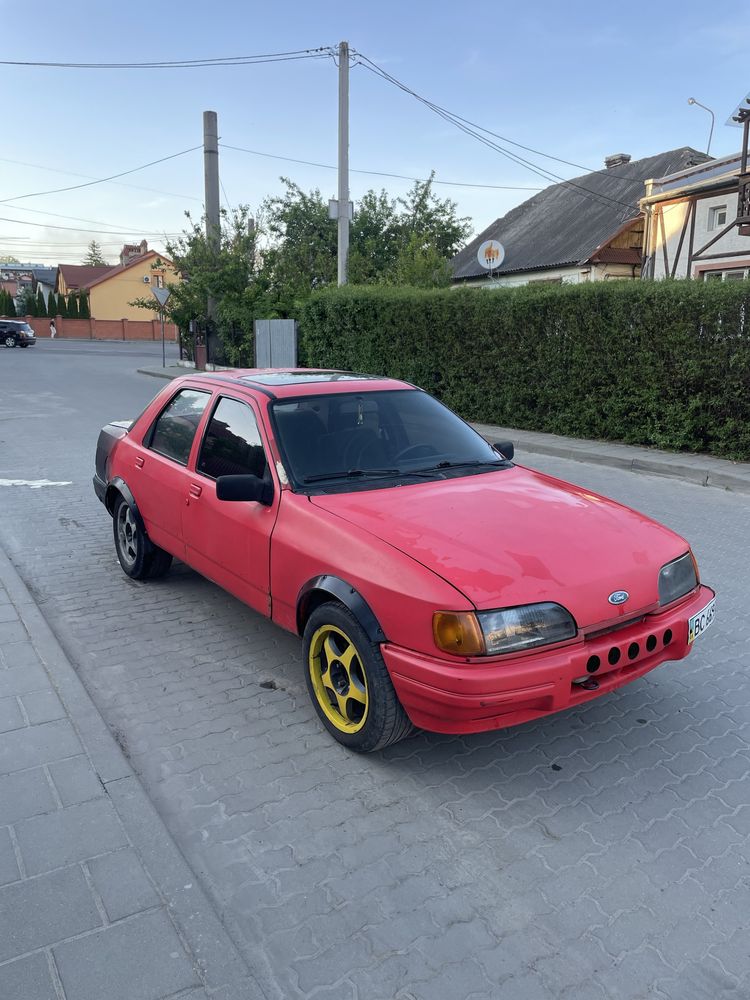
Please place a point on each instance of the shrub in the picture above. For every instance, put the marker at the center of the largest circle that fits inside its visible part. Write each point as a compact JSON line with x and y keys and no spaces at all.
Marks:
{"x":652,"y":363}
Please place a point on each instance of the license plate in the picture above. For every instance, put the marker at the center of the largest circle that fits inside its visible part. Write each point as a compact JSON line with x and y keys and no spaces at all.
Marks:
{"x":698,"y":624}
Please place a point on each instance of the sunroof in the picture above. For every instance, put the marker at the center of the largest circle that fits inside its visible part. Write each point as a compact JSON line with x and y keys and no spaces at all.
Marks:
{"x":301,"y":377}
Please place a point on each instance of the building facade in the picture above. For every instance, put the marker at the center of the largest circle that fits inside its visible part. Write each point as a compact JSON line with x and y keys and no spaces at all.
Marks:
{"x":689,"y":231}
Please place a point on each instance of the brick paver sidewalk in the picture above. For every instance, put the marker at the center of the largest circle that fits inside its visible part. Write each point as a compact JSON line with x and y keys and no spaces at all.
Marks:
{"x":95,"y":899}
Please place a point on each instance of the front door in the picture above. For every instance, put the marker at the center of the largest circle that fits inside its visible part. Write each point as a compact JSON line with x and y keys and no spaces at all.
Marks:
{"x":230,"y":541}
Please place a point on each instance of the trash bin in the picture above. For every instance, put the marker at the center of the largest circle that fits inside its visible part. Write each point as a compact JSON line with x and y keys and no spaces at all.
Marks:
{"x":200,"y":356}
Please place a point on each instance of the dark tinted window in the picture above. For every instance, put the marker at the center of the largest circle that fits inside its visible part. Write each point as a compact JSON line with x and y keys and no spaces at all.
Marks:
{"x":175,"y":427}
{"x":405,"y":430}
{"x":232,"y":445}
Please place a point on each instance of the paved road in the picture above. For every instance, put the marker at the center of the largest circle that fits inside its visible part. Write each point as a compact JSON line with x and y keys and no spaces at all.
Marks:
{"x":599,"y":854}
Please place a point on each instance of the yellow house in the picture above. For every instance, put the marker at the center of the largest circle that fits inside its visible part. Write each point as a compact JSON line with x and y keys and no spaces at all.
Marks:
{"x":112,"y":289}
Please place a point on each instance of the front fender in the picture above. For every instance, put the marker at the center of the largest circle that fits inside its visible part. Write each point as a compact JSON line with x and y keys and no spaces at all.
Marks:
{"x":345,"y":594}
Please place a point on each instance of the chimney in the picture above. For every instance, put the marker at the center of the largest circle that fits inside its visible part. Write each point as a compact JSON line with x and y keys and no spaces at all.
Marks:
{"x":616,"y":159}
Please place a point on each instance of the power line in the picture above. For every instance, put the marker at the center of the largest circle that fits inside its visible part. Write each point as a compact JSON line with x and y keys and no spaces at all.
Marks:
{"x":462,"y":124}
{"x":76,"y":218}
{"x":78,"y":229}
{"x":101,"y":180}
{"x":71,"y":173}
{"x":376,"y":173}
{"x":267,"y":57}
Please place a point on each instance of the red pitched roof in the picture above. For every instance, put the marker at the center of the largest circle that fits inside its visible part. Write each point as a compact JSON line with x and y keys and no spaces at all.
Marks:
{"x":112,"y":271}
{"x":82,"y":275}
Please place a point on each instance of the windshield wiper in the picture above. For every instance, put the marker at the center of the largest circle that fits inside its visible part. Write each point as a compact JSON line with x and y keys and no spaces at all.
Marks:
{"x":351,"y":474}
{"x":463,"y":465}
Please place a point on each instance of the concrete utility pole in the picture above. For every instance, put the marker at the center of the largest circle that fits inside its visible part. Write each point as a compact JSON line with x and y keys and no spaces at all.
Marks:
{"x":211,"y":172}
{"x":343,"y":200}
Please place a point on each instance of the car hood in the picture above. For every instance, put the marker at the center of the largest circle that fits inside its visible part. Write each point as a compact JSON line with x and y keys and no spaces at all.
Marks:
{"x":516,"y":536}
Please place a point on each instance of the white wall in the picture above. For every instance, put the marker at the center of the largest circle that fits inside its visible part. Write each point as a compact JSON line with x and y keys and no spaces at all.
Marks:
{"x":674,"y":216}
{"x":569,"y":276}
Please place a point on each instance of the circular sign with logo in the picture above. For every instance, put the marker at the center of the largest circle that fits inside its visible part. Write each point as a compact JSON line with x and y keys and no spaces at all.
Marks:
{"x":491,"y":254}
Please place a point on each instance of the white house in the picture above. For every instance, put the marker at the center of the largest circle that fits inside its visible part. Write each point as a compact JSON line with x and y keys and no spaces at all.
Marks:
{"x":689,"y":231}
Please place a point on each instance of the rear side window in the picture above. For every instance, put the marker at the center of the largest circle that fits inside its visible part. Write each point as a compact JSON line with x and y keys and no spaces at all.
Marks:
{"x":175,"y":427}
{"x":232,"y":444}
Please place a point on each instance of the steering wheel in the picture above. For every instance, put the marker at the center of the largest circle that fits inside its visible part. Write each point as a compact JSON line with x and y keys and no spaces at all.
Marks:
{"x":416,"y":451}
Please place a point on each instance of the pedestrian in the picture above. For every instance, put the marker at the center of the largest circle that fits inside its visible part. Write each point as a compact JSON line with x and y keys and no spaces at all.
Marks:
{"x":52,"y":329}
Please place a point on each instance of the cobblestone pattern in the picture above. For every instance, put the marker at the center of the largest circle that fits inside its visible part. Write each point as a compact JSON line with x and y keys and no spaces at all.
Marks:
{"x":600,"y":854}
{"x":76,"y":904}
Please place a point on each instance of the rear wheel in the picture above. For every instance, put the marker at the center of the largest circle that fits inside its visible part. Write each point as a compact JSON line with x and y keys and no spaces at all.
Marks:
{"x":349,"y":683}
{"x":139,"y":557}
{"x":10,"y":340}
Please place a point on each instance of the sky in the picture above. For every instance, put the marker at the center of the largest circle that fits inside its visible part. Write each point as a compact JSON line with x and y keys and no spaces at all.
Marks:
{"x":578,"y":81}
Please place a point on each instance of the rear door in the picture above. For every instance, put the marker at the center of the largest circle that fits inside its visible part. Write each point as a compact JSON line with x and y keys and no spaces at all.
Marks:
{"x":159,"y":477}
{"x":230,"y":541}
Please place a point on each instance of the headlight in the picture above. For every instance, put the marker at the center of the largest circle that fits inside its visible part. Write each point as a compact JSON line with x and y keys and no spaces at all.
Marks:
{"x":677,"y":578}
{"x":507,"y":630}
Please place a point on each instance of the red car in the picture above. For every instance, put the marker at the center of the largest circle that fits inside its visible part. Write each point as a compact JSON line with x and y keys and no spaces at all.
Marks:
{"x":435,"y":583}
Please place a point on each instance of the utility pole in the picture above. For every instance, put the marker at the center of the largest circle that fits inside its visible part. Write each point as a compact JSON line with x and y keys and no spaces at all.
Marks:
{"x":211,"y":173}
{"x":343,"y":200}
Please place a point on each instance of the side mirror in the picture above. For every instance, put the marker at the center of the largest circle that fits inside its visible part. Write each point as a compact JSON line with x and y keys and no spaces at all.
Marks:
{"x":244,"y":488}
{"x":505,"y":448}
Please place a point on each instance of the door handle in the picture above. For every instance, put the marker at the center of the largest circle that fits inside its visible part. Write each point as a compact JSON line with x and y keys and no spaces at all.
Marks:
{"x":195,"y":490}
{"x":139,"y":462}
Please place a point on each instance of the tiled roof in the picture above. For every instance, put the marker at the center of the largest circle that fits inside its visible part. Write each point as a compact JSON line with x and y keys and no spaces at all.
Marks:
{"x":82,"y":275}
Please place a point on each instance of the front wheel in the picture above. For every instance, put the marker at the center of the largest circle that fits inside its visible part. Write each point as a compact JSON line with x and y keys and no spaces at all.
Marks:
{"x":139,"y":557}
{"x":349,"y":683}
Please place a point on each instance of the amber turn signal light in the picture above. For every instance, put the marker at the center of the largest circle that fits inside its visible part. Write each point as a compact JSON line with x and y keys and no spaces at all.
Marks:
{"x":458,"y":632}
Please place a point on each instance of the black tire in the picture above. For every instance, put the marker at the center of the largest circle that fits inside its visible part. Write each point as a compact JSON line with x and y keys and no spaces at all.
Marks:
{"x":9,"y":340}
{"x":139,"y":557}
{"x":374,"y":718}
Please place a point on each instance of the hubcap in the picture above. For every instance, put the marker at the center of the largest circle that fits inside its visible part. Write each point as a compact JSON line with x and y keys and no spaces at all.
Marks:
{"x":338,"y":678}
{"x":10,"y":342}
{"x":127,"y":535}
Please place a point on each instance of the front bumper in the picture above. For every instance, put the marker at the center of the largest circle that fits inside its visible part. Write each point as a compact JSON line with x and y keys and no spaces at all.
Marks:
{"x":445,"y":696}
{"x":26,"y":341}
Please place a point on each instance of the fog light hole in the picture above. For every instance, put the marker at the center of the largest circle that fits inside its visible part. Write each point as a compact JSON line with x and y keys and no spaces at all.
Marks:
{"x":593,"y":664}
{"x":651,"y":643}
{"x":614,"y":655}
{"x":633,"y":650}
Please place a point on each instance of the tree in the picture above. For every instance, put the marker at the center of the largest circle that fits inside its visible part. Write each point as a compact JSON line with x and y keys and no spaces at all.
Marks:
{"x":7,"y":259}
{"x":229,"y":274}
{"x":71,"y":306}
{"x":94,"y":255}
{"x":62,"y":309}
{"x":52,"y":305}
{"x":407,"y":240}
{"x":83,"y":306}
{"x":41,"y":305}
{"x":27,"y":302}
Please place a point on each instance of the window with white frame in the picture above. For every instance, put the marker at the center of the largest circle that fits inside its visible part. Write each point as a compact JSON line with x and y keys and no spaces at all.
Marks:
{"x":727,"y":274}
{"x":717,"y":216}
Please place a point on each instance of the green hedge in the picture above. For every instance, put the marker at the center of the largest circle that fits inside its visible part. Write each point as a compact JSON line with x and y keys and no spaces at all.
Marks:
{"x":652,"y":363}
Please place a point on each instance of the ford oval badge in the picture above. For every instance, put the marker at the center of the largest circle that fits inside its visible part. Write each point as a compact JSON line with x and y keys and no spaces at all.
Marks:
{"x":618,"y":597}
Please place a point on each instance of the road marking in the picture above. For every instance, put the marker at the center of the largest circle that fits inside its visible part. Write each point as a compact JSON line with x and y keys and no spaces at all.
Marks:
{"x":34,"y":484}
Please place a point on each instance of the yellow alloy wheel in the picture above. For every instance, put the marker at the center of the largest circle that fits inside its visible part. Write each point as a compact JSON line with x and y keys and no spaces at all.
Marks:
{"x":338,"y":679}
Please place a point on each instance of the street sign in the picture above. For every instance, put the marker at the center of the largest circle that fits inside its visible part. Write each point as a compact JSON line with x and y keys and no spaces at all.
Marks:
{"x":491,"y":254}
{"x":161,"y":295}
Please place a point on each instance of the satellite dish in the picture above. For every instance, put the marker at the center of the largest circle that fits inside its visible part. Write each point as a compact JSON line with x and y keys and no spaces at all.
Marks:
{"x":491,"y":254}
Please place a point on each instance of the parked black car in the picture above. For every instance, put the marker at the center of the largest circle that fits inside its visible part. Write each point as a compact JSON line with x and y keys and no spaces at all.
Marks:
{"x":16,"y":333}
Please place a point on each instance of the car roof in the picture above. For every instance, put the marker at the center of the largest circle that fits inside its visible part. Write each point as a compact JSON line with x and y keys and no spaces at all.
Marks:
{"x":281,"y":382}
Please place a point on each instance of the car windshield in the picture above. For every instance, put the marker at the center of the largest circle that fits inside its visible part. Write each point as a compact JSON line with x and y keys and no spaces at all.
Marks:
{"x":345,"y":440}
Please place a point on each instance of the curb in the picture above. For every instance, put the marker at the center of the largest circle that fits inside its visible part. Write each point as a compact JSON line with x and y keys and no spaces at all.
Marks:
{"x":701,"y":470}
{"x":222,"y":966}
